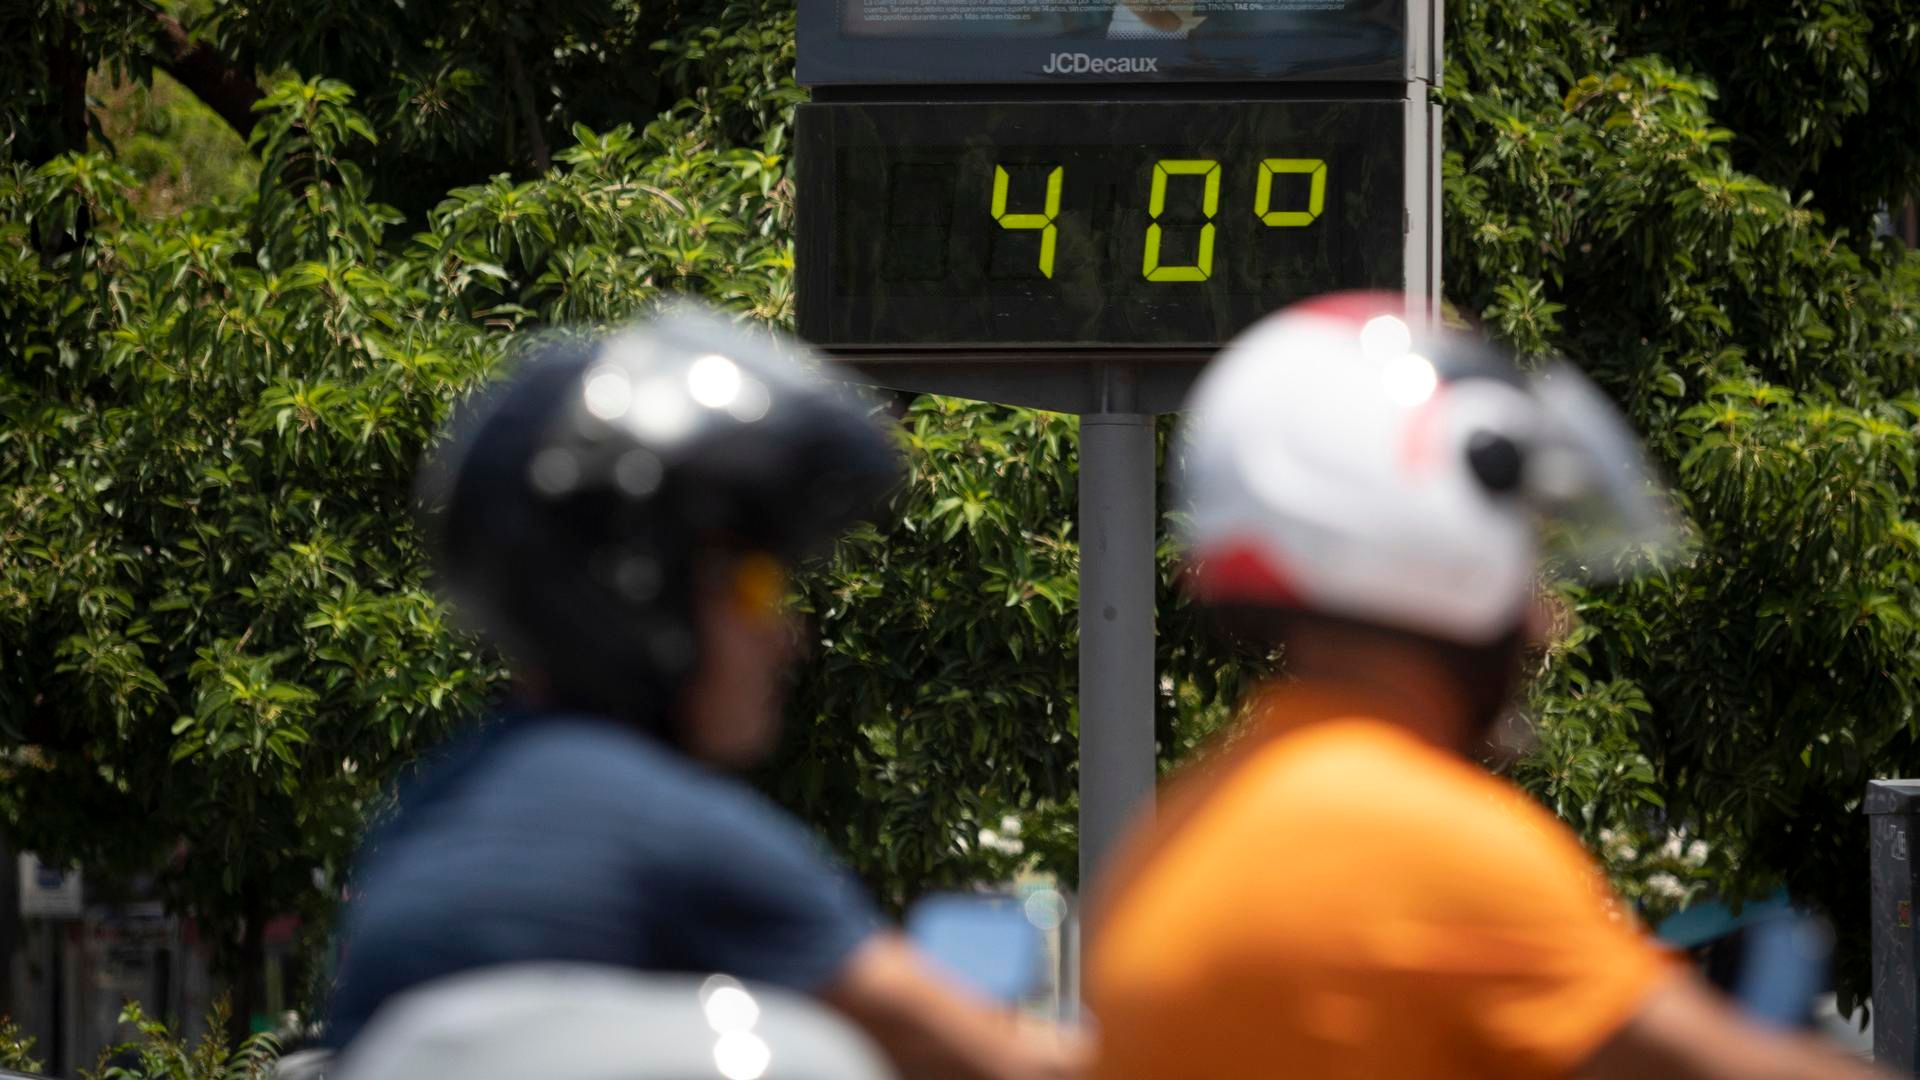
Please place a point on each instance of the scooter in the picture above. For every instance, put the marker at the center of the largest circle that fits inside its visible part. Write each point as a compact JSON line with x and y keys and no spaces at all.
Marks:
{"x":572,"y":1022}
{"x":582,"y":1022}
{"x":587,"y":1022}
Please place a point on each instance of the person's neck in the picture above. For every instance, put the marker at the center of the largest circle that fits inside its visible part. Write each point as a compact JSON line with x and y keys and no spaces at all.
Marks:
{"x":1400,"y":685}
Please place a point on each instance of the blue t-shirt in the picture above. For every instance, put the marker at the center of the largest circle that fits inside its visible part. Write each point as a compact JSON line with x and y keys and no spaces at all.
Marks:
{"x":561,"y":838}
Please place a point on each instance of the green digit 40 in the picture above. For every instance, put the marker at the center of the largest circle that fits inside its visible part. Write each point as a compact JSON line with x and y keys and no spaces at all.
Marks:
{"x":1049,"y":232}
{"x":1315,"y":169}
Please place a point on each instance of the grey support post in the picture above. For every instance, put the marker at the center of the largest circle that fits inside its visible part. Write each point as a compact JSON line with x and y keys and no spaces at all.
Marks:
{"x":1117,"y":578}
{"x":1893,"y":809}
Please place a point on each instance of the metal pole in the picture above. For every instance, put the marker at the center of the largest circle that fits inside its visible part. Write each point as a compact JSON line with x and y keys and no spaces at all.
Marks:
{"x":1892,"y":807}
{"x":1117,"y":577}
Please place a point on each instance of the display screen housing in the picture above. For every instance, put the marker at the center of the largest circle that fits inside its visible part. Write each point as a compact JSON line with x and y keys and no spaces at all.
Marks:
{"x":1089,"y":224}
{"x":869,"y":42}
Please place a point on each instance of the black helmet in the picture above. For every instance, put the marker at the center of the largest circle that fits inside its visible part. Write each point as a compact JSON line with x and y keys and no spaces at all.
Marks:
{"x":570,"y":508}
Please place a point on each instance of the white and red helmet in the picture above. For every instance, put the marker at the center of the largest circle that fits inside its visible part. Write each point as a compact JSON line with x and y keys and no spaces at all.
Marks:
{"x":1343,"y":460}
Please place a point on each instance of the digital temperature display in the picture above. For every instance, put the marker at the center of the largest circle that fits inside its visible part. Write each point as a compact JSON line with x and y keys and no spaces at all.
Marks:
{"x":1067,"y":224}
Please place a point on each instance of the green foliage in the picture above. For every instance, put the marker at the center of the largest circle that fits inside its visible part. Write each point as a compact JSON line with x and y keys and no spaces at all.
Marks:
{"x":1819,"y":95}
{"x":216,"y":632}
{"x":213,"y":621}
{"x":1744,"y":692}
{"x":943,"y":671}
{"x":180,"y":152}
{"x":460,"y":91}
{"x":940,"y":698}
{"x":16,"y":1050}
{"x":47,"y":50}
{"x":159,"y":1054}
{"x":467,"y":89}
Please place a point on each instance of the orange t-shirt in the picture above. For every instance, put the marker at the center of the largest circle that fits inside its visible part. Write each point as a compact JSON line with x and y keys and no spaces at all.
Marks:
{"x":1333,"y":897}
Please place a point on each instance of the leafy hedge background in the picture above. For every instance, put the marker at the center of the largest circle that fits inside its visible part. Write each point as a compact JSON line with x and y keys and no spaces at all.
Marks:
{"x":220,"y":361}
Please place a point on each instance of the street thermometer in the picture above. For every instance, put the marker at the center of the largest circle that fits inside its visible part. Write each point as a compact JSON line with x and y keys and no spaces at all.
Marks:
{"x":1072,"y":204}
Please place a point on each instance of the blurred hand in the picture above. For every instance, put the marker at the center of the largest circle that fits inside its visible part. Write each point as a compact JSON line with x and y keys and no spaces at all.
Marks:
{"x":933,"y":1029}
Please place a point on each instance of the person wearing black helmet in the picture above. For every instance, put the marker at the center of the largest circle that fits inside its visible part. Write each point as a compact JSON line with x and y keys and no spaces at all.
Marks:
{"x":619,"y":520}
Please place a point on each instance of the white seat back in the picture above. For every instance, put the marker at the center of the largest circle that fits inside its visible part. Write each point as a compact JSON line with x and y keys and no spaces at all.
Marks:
{"x":583,"y":1022}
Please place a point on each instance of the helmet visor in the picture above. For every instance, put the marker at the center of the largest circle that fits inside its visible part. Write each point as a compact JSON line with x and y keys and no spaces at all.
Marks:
{"x":1606,"y":512}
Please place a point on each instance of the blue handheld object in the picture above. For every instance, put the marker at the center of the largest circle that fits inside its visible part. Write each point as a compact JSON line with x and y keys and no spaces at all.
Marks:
{"x":986,"y":942}
{"x":1784,"y":967}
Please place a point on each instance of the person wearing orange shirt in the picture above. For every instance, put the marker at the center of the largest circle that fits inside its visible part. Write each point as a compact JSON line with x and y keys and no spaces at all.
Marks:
{"x":1339,"y":890}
